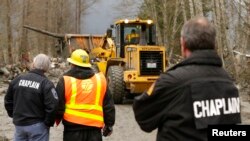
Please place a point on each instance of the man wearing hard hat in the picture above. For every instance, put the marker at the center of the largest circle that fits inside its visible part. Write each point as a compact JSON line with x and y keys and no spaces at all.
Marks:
{"x":132,"y":38}
{"x":86,"y":106}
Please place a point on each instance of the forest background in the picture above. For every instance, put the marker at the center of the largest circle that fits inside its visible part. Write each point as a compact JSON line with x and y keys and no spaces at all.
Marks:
{"x":230,"y":17}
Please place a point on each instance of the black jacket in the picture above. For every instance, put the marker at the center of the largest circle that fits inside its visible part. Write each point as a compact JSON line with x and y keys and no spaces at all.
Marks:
{"x":31,"y":98}
{"x":176,"y":102}
{"x":108,"y":103}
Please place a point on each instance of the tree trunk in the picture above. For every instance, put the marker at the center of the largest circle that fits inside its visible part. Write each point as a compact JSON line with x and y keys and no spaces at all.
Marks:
{"x":227,"y":44}
{"x":78,"y":16}
{"x":183,"y":10}
{"x":24,"y":49}
{"x":165,"y":25}
{"x":60,"y":17}
{"x":198,"y":7}
{"x":191,"y":7}
{"x":243,"y":34}
{"x":217,"y":18}
{"x":158,"y":31}
{"x":46,"y":24}
{"x":9,"y":32}
{"x":174,"y":29}
{"x":151,"y":4}
{"x":2,"y":58}
{"x":3,"y":17}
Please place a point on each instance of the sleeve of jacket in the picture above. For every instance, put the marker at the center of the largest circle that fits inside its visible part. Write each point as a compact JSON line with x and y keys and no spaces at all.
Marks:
{"x":51,"y":102}
{"x":8,"y":100}
{"x":108,"y":109}
{"x":150,"y":107}
{"x":60,"y":91}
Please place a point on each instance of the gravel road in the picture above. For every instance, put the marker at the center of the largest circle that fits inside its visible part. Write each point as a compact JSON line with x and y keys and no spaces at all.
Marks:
{"x":125,"y":129}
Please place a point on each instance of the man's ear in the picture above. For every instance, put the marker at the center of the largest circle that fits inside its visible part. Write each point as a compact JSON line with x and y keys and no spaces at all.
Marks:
{"x":183,"y":47}
{"x":185,"y":52}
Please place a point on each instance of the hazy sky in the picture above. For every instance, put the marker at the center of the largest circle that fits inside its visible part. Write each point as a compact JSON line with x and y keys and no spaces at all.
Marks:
{"x":103,"y":13}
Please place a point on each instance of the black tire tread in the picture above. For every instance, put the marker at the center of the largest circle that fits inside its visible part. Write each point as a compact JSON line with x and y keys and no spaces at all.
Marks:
{"x":116,"y":84}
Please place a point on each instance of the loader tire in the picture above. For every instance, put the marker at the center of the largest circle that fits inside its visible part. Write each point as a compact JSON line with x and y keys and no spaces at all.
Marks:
{"x":116,"y":84}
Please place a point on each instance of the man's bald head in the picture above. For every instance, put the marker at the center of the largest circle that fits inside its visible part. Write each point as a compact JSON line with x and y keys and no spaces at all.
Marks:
{"x":198,"y":34}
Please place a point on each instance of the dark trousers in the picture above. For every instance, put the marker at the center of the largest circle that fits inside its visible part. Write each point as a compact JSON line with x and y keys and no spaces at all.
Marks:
{"x":82,"y":135}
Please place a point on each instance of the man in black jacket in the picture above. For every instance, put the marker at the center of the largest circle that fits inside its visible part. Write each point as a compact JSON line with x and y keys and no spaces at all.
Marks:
{"x":86,"y":105}
{"x":193,"y":94}
{"x":31,"y":101}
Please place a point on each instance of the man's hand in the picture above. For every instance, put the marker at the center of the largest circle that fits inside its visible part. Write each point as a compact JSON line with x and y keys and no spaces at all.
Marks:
{"x":107,"y":131}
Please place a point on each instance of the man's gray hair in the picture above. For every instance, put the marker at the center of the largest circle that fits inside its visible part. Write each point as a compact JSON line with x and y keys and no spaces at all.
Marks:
{"x":41,"y":62}
{"x":199,"y":33}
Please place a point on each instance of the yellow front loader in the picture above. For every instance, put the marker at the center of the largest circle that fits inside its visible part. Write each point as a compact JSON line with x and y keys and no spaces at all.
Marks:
{"x":131,"y":63}
{"x":130,"y":66}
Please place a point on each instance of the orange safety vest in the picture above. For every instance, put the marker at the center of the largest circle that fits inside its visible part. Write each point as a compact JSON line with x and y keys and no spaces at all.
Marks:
{"x":84,"y":100}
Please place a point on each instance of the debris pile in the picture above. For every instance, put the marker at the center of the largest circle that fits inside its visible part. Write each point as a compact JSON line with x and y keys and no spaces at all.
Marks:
{"x":10,"y":71}
{"x":58,"y":67}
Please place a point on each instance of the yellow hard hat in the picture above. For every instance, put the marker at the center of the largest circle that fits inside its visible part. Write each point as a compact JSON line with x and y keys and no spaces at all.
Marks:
{"x":79,"y":57}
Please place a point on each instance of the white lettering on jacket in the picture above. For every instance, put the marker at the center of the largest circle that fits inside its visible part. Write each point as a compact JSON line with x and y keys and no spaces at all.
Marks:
{"x":216,"y":107}
{"x":29,"y":84}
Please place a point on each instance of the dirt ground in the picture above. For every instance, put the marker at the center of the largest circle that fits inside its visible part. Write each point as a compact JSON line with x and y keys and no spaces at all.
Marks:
{"x":125,"y":129}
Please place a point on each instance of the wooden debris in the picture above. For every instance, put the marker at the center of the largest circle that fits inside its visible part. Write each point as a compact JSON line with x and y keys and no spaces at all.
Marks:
{"x":4,"y":71}
{"x":10,"y":71}
{"x":58,"y":67}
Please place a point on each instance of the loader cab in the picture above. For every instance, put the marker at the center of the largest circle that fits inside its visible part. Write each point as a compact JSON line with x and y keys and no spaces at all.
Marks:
{"x":133,"y":32}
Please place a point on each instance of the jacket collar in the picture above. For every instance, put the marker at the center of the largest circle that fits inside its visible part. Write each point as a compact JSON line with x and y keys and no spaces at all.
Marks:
{"x":80,"y":72}
{"x":201,"y":57}
{"x":38,"y":71}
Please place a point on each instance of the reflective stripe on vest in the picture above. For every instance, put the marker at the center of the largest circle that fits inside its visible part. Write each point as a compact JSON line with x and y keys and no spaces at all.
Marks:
{"x":84,"y":100}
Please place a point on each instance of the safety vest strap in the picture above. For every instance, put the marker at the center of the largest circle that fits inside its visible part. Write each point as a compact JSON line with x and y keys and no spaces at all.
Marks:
{"x":84,"y":106}
{"x":83,"y":118}
{"x":98,"y":91}
{"x":74,"y":90}
{"x":84,"y":114}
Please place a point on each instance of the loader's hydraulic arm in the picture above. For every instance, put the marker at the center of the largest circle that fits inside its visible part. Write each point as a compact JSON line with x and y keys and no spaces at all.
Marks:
{"x":56,"y":35}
